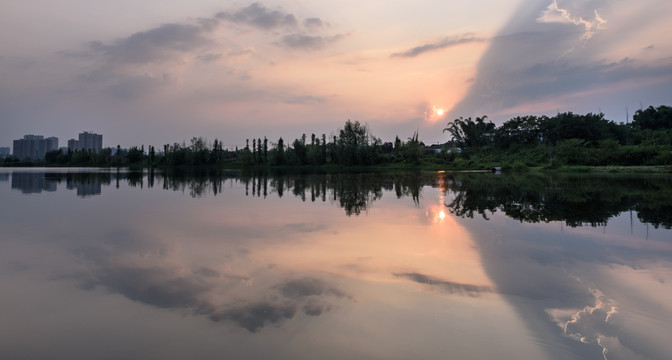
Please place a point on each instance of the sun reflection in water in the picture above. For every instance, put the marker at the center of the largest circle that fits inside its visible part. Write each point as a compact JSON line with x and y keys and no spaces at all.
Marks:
{"x":437,"y":212}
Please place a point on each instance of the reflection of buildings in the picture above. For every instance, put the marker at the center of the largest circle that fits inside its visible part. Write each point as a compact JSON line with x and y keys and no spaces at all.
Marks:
{"x":35,"y":182}
{"x":88,"y":141}
{"x":85,"y":187}
{"x":34,"y":147}
{"x":32,"y":183}
{"x":4,"y":176}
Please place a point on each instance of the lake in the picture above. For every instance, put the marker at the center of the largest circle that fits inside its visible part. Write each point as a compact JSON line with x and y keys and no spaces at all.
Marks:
{"x":111,"y":264}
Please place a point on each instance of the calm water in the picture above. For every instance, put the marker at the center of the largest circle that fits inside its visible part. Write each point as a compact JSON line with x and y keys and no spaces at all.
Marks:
{"x":110,"y":265}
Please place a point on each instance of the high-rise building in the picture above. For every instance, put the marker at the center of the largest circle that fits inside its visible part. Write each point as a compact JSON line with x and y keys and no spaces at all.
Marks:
{"x":90,"y":141}
{"x":34,"y":147}
{"x":4,"y":152}
{"x":30,"y":147}
{"x":51,"y":144}
{"x":73,"y":144}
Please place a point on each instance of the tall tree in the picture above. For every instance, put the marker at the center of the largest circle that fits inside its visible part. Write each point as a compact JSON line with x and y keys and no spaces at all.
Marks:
{"x":469,"y":134}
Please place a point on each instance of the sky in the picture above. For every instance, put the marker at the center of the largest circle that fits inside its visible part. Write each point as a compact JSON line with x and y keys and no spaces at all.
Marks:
{"x":159,"y":72}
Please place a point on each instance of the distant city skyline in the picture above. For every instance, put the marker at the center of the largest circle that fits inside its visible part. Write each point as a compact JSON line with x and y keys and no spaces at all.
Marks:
{"x":155,"y":73}
{"x":36,"y":146}
{"x":33,"y":146}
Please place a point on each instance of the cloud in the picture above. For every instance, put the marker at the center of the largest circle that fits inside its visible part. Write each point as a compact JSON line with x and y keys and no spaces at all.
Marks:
{"x":556,"y":14}
{"x":145,"y":62}
{"x":594,"y":324}
{"x":257,"y":15}
{"x":174,"y":288}
{"x":142,"y":63}
{"x":308,"y":42}
{"x":308,"y":286}
{"x":255,"y":316}
{"x":547,"y":59}
{"x":439,"y":45}
{"x":314,"y":23}
{"x":446,"y":286}
{"x":588,"y":324}
{"x":129,"y":87}
{"x":314,"y":308}
{"x":155,"y":45}
{"x":207,"y":58}
{"x":156,"y":286}
{"x":207,"y":272}
{"x":167,"y":42}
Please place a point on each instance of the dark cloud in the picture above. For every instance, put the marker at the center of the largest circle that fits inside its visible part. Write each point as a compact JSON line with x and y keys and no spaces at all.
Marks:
{"x":160,"y":287}
{"x":307,"y":42}
{"x":443,"y":285}
{"x":127,"y":68}
{"x":120,"y":67}
{"x":155,"y":45}
{"x":171,"y":288}
{"x":300,"y":288}
{"x":439,"y":45}
{"x":255,"y":316}
{"x":314,"y":308}
{"x":257,"y":15}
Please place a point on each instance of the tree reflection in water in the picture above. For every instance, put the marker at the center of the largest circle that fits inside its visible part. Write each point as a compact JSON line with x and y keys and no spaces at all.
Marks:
{"x":576,"y":199}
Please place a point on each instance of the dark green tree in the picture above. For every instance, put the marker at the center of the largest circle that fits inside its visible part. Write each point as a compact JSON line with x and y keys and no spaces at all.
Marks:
{"x":653,"y":118}
{"x":279,"y":153}
{"x":471,"y":135}
{"x":265,"y":150}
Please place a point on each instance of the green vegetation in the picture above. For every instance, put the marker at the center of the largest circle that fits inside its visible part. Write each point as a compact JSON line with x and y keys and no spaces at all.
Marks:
{"x":566,"y":141}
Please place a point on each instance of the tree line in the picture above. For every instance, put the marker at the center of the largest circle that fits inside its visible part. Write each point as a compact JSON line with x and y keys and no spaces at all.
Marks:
{"x":523,"y":141}
{"x":566,"y":139}
{"x":354,"y":145}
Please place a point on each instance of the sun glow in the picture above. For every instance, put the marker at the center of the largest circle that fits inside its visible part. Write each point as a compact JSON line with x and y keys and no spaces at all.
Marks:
{"x":434,"y":113}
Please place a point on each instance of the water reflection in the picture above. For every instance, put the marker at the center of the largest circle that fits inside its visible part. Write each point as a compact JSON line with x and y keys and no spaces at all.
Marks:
{"x":575,"y":199}
{"x":584,"y":291}
{"x":243,"y":265}
{"x":85,"y":183}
